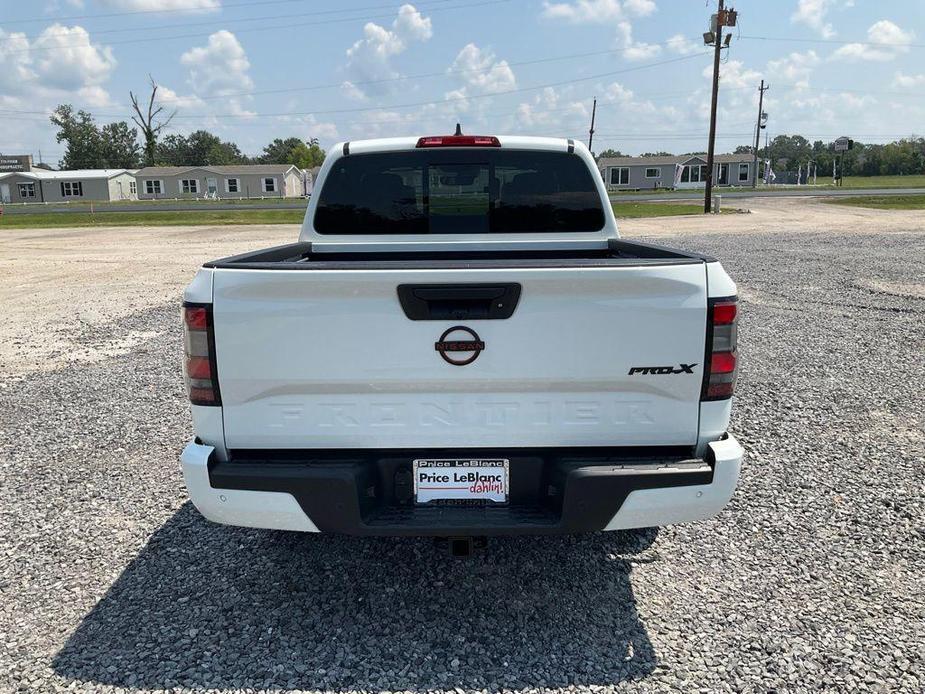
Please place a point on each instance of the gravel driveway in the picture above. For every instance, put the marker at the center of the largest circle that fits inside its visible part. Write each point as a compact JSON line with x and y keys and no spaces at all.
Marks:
{"x":812,"y":578}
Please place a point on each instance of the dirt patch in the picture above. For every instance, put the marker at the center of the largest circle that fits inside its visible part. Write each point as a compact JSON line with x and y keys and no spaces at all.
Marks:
{"x":773,"y":215}
{"x":60,"y":288}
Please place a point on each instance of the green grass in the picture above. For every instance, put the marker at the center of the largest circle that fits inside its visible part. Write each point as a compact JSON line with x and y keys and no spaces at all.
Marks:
{"x":883,"y":202}
{"x":86,"y":206}
{"x":823,"y":182}
{"x":118,"y":219}
{"x":881,"y":182}
{"x":623,"y":210}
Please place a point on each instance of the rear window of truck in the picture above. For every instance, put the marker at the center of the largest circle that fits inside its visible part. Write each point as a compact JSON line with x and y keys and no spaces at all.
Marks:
{"x":472,"y":191}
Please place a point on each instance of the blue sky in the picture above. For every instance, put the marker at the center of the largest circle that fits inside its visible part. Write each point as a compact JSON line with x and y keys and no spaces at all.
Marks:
{"x":252,"y":71}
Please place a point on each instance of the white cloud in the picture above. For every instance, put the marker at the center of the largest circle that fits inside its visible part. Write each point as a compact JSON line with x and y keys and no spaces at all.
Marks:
{"x":66,"y":59}
{"x":411,"y":24}
{"x":169,"y":5}
{"x":553,"y":112}
{"x":734,"y":74}
{"x":369,"y":59}
{"x":813,"y":13}
{"x":632,"y":49}
{"x":616,"y":12}
{"x":171,"y":100}
{"x":617,"y":93}
{"x":597,"y":11}
{"x":478,"y":71}
{"x":682,"y":45}
{"x":888,"y":32}
{"x":61,"y":60}
{"x":640,"y":8}
{"x":16,"y":59}
{"x":908,"y":81}
{"x":351,"y":91}
{"x":891,"y":39}
{"x":220,"y":67}
{"x":796,"y":68}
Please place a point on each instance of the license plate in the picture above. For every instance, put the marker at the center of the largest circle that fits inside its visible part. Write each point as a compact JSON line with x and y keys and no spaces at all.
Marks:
{"x":465,"y":480}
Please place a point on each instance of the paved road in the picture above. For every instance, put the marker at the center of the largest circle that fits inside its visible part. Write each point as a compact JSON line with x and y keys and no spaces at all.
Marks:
{"x":181,"y":206}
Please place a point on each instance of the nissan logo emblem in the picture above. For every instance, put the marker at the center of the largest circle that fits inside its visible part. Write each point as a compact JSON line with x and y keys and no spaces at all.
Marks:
{"x":450,"y":342}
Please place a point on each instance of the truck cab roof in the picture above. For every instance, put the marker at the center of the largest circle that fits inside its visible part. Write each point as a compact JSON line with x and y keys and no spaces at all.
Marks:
{"x":447,"y":193}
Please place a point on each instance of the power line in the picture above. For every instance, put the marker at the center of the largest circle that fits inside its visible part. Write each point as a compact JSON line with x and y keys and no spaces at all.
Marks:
{"x":362,"y":109}
{"x":68,"y":18}
{"x":792,"y":39}
{"x":274,"y":27}
{"x":401,"y":78}
{"x":421,"y":4}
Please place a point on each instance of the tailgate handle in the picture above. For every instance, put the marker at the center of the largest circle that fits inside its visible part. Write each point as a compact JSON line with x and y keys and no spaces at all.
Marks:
{"x":459,"y":301}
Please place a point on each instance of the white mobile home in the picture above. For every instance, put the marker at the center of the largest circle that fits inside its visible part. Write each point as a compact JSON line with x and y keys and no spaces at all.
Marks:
{"x":649,"y":173}
{"x":240,"y":181}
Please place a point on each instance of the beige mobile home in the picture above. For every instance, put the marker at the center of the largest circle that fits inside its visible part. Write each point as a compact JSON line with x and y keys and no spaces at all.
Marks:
{"x":42,"y":185}
{"x":686,"y":171}
{"x":242,"y":181}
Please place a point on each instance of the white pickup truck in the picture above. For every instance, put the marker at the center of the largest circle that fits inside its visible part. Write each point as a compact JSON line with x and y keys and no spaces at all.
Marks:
{"x":460,"y":345}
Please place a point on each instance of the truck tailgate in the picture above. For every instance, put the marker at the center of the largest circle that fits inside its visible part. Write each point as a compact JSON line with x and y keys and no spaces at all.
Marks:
{"x":328,"y":359}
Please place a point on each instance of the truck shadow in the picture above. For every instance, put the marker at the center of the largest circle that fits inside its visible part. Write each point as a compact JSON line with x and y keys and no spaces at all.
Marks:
{"x":210,"y":606}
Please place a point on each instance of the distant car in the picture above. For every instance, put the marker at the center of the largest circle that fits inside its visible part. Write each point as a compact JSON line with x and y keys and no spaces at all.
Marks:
{"x":460,"y":345}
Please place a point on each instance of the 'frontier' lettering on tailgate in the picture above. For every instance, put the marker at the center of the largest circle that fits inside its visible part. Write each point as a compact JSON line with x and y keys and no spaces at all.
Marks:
{"x":448,"y":415}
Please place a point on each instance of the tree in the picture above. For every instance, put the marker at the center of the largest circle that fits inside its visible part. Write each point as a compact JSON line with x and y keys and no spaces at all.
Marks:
{"x":89,"y":147}
{"x":610,"y":153}
{"x":304,"y":154}
{"x":199,"y":148}
{"x":149,"y":121}
{"x":789,"y":152}
{"x":657,"y":154}
{"x":83,"y":138}
{"x":172,"y":150}
{"x":744,"y":149}
{"x":120,"y":146}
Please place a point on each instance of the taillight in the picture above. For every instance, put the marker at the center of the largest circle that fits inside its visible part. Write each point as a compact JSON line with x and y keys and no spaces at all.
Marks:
{"x":719,"y":376}
{"x":199,"y":355}
{"x":459,"y":141}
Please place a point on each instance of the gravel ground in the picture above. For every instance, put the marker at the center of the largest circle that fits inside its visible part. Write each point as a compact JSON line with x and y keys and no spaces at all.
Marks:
{"x":810,"y":579}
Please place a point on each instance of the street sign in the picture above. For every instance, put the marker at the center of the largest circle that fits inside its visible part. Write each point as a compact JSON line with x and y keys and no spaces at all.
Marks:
{"x":843,"y":144}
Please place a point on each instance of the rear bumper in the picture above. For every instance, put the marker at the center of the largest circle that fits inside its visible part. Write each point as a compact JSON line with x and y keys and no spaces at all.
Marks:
{"x":359,"y":492}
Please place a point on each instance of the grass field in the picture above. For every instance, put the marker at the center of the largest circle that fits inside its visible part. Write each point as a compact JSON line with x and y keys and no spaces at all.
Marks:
{"x":883,"y":202}
{"x":882,"y":182}
{"x":118,"y":219}
{"x":850,"y":182}
{"x":625,"y":210}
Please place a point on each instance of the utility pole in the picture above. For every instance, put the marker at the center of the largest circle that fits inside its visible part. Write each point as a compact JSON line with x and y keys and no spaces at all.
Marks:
{"x":591,"y":131}
{"x":724,"y":17}
{"x":761,"y":118}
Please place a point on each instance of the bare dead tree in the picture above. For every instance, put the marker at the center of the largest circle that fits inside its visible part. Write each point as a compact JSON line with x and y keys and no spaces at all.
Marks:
{"x":148,"y":121}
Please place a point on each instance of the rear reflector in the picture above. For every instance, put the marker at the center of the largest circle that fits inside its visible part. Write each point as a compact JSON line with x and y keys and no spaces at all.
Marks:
{"x":724,"y":312}
{"x":198,"y":368}
{"x":459,"y":141}
{"x":199,"y":350}
{"x":723,"y":363}
{"x":720,"y":376}
{"x":195,"y":318}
